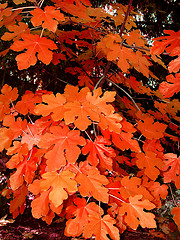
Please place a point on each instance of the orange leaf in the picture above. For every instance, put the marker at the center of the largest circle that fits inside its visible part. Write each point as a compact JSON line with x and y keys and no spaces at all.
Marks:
{"x":40,"y":205}
{"x":48,"y":18}
{"x":172,"y":169}
{"x":92,"y":185}
{"x":135,"y":214}
{"x":54,"y":105}
{"x":7,"y":96}
{"x":27,"y":103}
{"x":150,"y":163}
{"x":99,"y":153}
{"x":172,"y":86}
{"x":15,"y":31}
{"x":176,"y":212}
{"x":62,"y":184}
{"x":151,"y":129}
{"x":100,"y":227}
{"x":81,"y":210}
{"x":63,"y":140}
{"x":34,"y":44}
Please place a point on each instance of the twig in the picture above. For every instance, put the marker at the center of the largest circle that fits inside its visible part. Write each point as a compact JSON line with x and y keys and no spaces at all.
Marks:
{"x":104,"y":75}
{"x":172,"y":195}
{"x":125,"y":18}
{"x":125,"y":93}
{"x":21,"y":8}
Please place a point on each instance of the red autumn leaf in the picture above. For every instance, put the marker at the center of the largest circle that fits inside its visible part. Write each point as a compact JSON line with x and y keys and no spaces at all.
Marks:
{"x":65,"y":146}
{"x":172,"y":169}
{"x":99,"y":153}
{"x":62,"y":184}
{"x":172,"y":86}
{"x":151,"y":129}
{"x":131,"y":187}
{"x":17,"y":127}
{"x":19,"y":198}
{"x":40,"y":205}
{"x":176,"y":212}
{"x":101,"y":102}
{"x":112,"y":122}
{"x":135,"y":214}
{"x":18,"y":150}
{"x":33,"y":44}
{"x":31,"y":135}
{"x":158,"y":190}
{"x":25,"y":171}
{"x":54,"y":105}
{"x":48,"y":18}
{"x":92,"y":185}
{"x":15,"y":31}
{"x":123,"y":140}
{"x":170,"y":43}
{"x":6,"y":137}
{"x":8,"y":95}
{"x":100,"y":227}
{"x":27,"y":103}
{"x":149,"y":163}
{"x":81,"y":210}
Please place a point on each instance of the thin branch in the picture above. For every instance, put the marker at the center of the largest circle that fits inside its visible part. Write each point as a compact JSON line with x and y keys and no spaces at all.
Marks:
{"x":21,"y":8}
{"x":73,"y":56}
{"x":117,"y":198}
{"x":125,"y":93}
{"x":88,"y":136}
{"x":172,"y":196}
{"x":104,"y":75}
{"x":125,"y":18}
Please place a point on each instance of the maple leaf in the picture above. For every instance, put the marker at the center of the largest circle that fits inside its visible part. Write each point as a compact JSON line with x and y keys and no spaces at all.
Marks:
{"x":123,"y":140}
{"x":135,"y":214}
{"x":172,"y":86}
{"x":100,"y":227}
{"x":62,"y":184}
{"x":4,"y":12}
{"x":101,"y":102}
{"x":15,"y":31}
{"x":79,"y":114}
{"x":48,"y":18}
{"x":34,"y":44}
{"x":81,"y":210}
{"x":92,"y":185}
{"x":27,"y":103}
{"x":25,"y":171}
{"x":17,"y":204}
{"x":76,"y":8}
{"x":55,"y":105}
{"x":158,"y":190}
{"x":19,"y":150}
{"x":99,"y":153}
{"x":150,"y":163}
{"x":40,"y":205}
{"x":8,"y":96}
{"x":65,"y":146}
{"x":131,"y":187}
{"x":172,"y":169}
{"x":31,"y":136}
{"x":170,"y":43}
{"x":6,"y":137}
{"x":176,"y":212}
{"x":17,"y":127}
{"x":151,"y":129}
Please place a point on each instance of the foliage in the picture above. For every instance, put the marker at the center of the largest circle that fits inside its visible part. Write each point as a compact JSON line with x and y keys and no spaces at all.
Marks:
{"x":101,"y":148}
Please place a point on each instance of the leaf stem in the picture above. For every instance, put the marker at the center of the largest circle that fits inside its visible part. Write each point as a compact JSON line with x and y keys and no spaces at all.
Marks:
{"x":21,"y":8}
{"x":126,"y":94}
{"x":117,"y":198}
{"x":125,"y":18}
{"x":172,"y":195}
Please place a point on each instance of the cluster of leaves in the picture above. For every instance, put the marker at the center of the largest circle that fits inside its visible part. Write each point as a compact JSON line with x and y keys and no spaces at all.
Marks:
{"x":98,"y":158}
